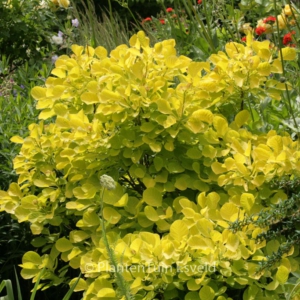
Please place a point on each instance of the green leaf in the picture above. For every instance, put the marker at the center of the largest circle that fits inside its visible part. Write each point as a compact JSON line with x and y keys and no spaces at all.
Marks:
{"x":31,"y":257}
{"x":272,"y":246}
{"x":151,"y":213}
{"x":152,"y":196}
{"x":175,"y":167}
{"x":192,"y":285}
{"x":163,"y":106}
{"x":77,"y":236}
{"x":90,"y":219}
{"x":111,"y":215}
{"x":207,"y":293}
{"x":63,"y":245}
{"x":282,"y":274}
{"x":7,"y":284}
{"x":122,"y":202}
{"x":192,"y":296}
{"x":158,"y":163}
{"x":113,"y":196}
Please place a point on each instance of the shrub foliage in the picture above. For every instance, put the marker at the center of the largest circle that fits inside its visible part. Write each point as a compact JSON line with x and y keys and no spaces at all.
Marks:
{"x":178,"y":138}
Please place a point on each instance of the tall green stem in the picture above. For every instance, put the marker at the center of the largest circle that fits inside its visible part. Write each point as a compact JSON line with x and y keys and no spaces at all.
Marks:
{"x":284,"y":74}
{"x":123,"y":286}
{"x":207,"y":34}
{"x":112,"y":22}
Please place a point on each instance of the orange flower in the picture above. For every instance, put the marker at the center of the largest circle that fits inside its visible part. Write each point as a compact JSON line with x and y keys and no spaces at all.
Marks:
{"x":260,"y":30}
{"x":288,"y":37}
{"x":270,"y":20}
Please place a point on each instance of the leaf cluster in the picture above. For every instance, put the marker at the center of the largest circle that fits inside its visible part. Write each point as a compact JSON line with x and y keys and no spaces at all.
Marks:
{"x":185,"y":167}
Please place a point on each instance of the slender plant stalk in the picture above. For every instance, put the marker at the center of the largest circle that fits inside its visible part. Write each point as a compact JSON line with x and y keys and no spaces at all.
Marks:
{"x":71,"y":290}
{"x":37,"y":284}
{"x":112,"y":22}
{"x":206,"y":15}
{"x":179,"y":23}
{"x":93,"y":24}
{"x":125,"y":5}
{"x":293,"y":14}
{"x":7,"y":284}
{"x":18,"y":285}
{"x":188,"y":5}
{"x":293,"y":290}
{"x":284,"y":74}
{"x":122,"y":284}
{"x":168,"y":17}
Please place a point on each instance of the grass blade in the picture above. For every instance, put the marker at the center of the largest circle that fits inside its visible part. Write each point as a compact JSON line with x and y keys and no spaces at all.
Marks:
{"x":9,"y":290}
{"x":18,"y":285}
{"x":37,"y":284}
{"x":2,"y":285}
{"x":70,"y":292}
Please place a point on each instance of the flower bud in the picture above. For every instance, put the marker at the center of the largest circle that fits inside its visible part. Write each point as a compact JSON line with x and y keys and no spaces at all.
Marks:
{"x":107,"y":182}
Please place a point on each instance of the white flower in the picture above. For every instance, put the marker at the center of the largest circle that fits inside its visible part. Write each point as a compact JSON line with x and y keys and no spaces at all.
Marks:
{"x":107,"y":182}
{"x":75,"y":23}
{"x":58,"y":40}
{"x":43,"y":4}
{"x":54,"y":58}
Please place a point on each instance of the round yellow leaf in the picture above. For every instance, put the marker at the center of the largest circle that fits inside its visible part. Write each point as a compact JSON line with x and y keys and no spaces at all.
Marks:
{"x":152,"y":196}
{"x":111,"y":215}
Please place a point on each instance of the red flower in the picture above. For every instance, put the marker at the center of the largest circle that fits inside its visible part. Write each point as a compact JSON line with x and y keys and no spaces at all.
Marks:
{"x":199,"y":1}
{"x":244,"y":39}
{"x":169,"y":9}
{"x":162,"y":21}
{"x":288,"y":38}
{"x":148,"y":19}
{"x":260,"y":30}
{"x":270,"y":20}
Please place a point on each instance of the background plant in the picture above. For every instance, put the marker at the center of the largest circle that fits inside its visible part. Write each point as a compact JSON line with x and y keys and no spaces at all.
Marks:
{"x":27,"y":27}
{"x":108,"y":29}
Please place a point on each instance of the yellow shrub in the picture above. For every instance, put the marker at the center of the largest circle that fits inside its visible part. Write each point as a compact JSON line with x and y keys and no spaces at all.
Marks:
{"x":152,"y":121}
